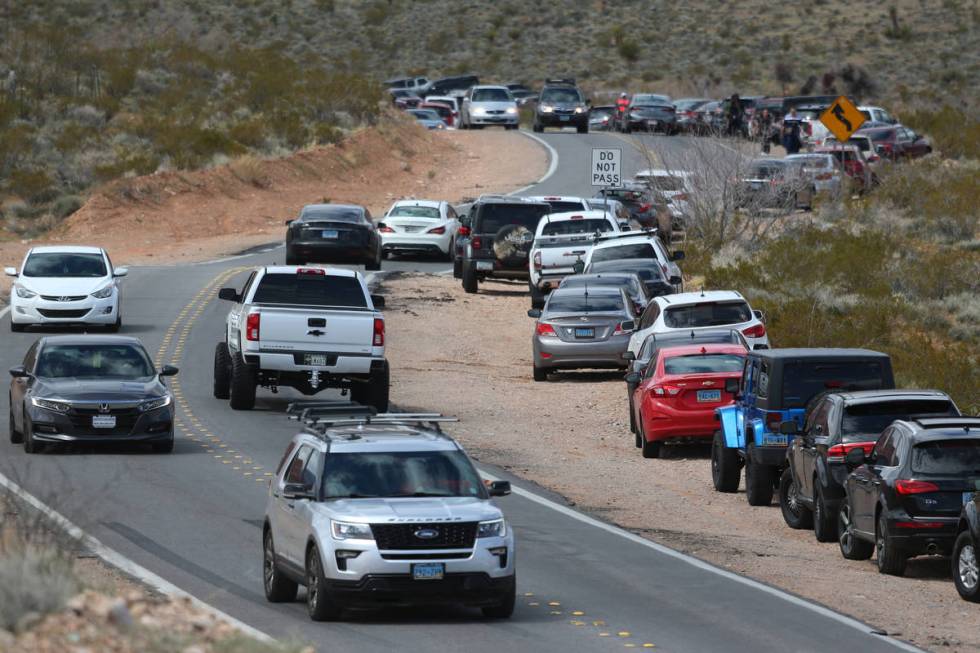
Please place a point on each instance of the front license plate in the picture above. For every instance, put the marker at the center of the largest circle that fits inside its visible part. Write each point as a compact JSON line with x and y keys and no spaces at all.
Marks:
{"x":585,"y":333}
{"x":104,"y":421}
{"x":774,"y":440}
{"x":564,"y":118}
{"x":709,"y":395}
{"x":329,"y":233}
{"x":315,"y":359}
{"x":428,"y":571}
{"x":484,"y":265}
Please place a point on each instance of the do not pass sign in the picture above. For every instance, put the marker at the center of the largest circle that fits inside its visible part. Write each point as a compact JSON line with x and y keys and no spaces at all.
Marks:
{"x":607,"y":169}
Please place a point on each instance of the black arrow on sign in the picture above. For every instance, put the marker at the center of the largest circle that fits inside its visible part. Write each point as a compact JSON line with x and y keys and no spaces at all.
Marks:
{"x":838,"y":112}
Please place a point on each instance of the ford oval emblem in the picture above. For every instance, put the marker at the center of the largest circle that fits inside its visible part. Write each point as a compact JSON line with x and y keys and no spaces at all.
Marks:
{"x":427,"y":533}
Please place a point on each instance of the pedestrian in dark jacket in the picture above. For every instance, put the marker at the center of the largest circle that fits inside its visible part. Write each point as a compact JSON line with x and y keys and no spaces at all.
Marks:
{"x":791,"y":132}
{"x":735,"y":117}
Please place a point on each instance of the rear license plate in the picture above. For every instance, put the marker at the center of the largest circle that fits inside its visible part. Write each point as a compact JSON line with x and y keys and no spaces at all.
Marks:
{"x":774,"y":440}
{"x":484,"y":265}
{"x":428,"y":571}
{"x":564,"y":118}
{"x":103,"y":421}
{"x":709,"y":395}
{"x":329,"y":233}
{"x":585,"y":333}
{"x":315,"y":359}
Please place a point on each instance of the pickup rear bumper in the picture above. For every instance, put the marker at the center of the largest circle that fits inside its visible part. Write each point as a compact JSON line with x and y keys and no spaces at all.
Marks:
{"x":336,"y":363}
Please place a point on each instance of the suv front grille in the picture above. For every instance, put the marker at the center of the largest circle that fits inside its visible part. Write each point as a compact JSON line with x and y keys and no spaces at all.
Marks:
{"x":458,"y":535}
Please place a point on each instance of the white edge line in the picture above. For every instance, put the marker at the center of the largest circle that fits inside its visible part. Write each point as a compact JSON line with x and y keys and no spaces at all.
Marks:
{"x":552,"y":165}
{"x":700,"y":564}
{"x":127,"y":566}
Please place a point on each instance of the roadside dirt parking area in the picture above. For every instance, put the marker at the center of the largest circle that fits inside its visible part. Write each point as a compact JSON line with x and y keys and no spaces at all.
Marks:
{"x":470,"y":355}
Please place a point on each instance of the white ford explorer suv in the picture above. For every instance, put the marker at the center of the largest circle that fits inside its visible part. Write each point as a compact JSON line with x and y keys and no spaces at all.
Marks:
{"x":384,"y":510}
{"x":303,"y":327}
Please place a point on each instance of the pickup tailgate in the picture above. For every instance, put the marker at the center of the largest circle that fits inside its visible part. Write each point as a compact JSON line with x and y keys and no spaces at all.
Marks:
{"x":302,"y":329}
{"x":557,"y":254}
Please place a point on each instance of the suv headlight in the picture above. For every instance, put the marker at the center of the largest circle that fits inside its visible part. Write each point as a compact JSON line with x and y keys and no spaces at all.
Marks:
{"x":103,"y":293}
{"x":342,"y":530}
{"x":579,"y":109}
{"x":154,"y":404}
{"x":51,"y":404}
{"x":24,"y":293}
{"x":495,"y":528}
{"x":546,"y":108}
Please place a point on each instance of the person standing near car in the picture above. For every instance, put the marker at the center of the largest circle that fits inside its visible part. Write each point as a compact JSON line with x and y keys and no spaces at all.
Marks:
{"x":791,"y":132}
{"x":622,"y":105}
{"x":764,"y":129}
{"x":736,"y":115}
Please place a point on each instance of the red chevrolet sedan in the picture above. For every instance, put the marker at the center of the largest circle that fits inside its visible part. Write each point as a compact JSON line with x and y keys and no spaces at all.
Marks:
{"x":680,"y":390}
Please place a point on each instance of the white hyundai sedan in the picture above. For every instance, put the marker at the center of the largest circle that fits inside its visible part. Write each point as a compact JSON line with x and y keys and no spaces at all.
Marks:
{"x":419,"y":227}
{"x":65,"y":286}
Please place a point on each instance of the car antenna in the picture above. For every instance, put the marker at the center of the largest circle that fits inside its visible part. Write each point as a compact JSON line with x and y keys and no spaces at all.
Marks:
{"x":702,"y":290}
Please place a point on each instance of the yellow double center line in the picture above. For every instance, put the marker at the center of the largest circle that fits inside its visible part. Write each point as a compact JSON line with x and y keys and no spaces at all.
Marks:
{"x":172,"y":350}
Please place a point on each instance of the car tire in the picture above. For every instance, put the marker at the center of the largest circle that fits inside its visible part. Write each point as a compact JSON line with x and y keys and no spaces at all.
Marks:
{"x":470,"y":284}
{"x":374,"y":392}
{"x":795,"y":514}
{"x":629,"y":400}
{"x":278,"y":588}
{"x":505,"y":608}
{"x":890,"y":559}
{"x":584,"y":129}
{"x":540,"y":374}
{"x":457,"y":268}
{"x":166,"y":446}
{"x":115,"y":326}
{"x":537,"y":128}
{"x":15,"y":436}
{"x":17,"y":328}
{"x":374,"y":265}
{"x":450,"y":254}
{"x":652,"y":449}
{"x":509,"y":127}
{"x":222,"y":372}
{"x":292,"y":260}
{"x":725,"y":471}
{"x":851,"y":546}
{"x":965,"y":567}
{"x":243,"y":384}
{"x":758,"y":481}
{"x":319,"y":603}
{"x":824,"y":523}
{"x":537,"y":297}
{"x":30,"y":444}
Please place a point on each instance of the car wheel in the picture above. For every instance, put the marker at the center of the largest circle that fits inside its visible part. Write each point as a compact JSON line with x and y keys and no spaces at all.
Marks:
{"x":537,"y":297}
{"x":824,"y":523}
{"x":243,"y":384}
{"x":851,"y":546}
{"x":584,"y":129}
{"x":629,"y":400}
{"x":30,"y":444}
{"x":292,"y":260}
{"x":319,"y":603}
{"x":537,"y":128}
{"x":652,"y":449}
{"x":758,"y":481}
{"x":450,"y":254}
{"x":222,"y":372}
{"x":725,"y":472}
{"x":966,"y":572}
{"x":505,"y":608}
{"x":795,"y":514}
{"x":377,"y":390}
{"x":278,"y":588}
{"x":115,"y":326}
{"x":15,"y":436}
{"x":470,"y":284}
{"x":890,"y":559}
{"x":166,"y":446}
{"x":375,"y":264}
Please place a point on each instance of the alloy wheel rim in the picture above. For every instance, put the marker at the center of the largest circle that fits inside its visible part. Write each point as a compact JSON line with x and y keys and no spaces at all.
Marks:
{"x":817,"y":510}
{"x":967,"y":567}
{"x":845,"y":527}
{"x":793,"y":498}
{"x":270,"y":568}
{"x":312,"y":582}
{"x":880,"y":543}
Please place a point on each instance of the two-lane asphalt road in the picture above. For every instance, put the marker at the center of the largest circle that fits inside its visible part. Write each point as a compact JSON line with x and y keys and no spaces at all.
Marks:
{"x":194,"y":517}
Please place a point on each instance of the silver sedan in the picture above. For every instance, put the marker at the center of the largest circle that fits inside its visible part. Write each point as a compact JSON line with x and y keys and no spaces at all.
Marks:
{"x":582,"y":327}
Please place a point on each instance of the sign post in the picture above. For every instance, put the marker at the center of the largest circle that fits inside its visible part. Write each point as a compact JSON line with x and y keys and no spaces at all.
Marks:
{"x":842,"y":118}
{"x":607,"y":167}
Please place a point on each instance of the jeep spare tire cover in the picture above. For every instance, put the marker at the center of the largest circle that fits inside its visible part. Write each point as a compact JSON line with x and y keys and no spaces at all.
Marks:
{"x":512,"y":244}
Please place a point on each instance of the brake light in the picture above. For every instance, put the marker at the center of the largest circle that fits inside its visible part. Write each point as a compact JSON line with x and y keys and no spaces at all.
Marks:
{"x":915,"y":487}
{"x":838,"y":452}
{"x":537,"y":261}
{"x":665,"y":390}
{"x":773,"y":420}
{"x":545,"y":329}
{"x":385,"y":229}
{"x":919,"y":524}
{"x":437,"y":230}
{"x":463,"y":232}
{"x":477,"y":242}
{"x":620,"y":330}
{"x":379,"y":332}
{"x":644,"y":208}
{"x":755,"y":331}
{"x":252,"y":326}
{"x":311,"y":271}
{"x":577,"y":217}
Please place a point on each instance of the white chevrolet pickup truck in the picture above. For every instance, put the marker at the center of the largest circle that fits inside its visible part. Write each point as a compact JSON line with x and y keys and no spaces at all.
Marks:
{"x":307,"y":328}
{"x":562,"y":240}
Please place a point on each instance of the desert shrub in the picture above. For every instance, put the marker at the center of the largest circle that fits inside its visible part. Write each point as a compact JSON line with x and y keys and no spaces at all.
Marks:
{"x":629,"y":50}
{"x":38,"y":580}
{"x":954,"y":131}
{"x":327,"y":134}
{"x":32,"y":184}
{"x":940,"y":197}
{"x":248,"y":169}
{"x":65,"y":205}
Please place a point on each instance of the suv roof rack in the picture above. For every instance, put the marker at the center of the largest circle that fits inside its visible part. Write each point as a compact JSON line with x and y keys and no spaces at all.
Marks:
{"x":563,"y":81}
{"x":650,"y":232}
{"x":320,"y":416}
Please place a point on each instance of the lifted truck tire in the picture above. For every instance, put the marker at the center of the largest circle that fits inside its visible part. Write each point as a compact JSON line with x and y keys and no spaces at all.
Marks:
{"x":725,"y":469}
{"x":222,"y":371}
{"x":470,"y":284}
{"x":374,"y":392}
{"x":795,"y":514}
{"x":758,"y":481}
{"x":243,"y":384}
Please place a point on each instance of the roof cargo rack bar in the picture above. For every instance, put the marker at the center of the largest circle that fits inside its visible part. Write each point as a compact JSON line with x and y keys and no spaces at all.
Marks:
{"x":432,"y":420}
{"x":303,"y":411}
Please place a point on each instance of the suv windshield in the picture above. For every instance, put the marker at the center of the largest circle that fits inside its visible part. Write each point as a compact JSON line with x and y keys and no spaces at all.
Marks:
{"x":575,"y":303}
{"x":56,"y":264}
{"x":863,"y":422}
{"x":947,"y":457}
{"x":491,"y":95}
{"x":310,"y":290}
{"x":619,"y":252}
{"x":494,"y":217}
{"x":568,"y":227}
{"x":400,"y":474}
{"x":803,"y":380}
{"x":93,"y":361}
{"x":560,"y":95}
{"x":707,"y":314}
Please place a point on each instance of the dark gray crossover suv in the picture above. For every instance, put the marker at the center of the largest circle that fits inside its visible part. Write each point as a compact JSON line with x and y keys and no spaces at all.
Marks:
{"x":561,"y":104}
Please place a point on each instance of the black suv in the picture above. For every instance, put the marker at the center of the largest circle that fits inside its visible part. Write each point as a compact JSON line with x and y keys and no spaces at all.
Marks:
{"x":812,"y":485}
{"x":905,"y":499}
{"x":500,"y":231}
{"x":966,"y":574}
{"x":561,"y":104}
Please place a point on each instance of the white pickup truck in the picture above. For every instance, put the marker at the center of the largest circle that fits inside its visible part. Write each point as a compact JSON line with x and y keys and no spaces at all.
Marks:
{"x":307,"y":328}
{"x":561,"y":240}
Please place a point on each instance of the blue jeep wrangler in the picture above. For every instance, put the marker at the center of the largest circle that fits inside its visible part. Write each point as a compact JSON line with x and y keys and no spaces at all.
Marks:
{"x":775,"y":387}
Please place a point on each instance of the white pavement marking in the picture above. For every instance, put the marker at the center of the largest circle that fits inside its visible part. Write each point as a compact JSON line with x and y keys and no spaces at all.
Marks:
{"x":124,"y":564}
{"x":700,"y":564}
{"x":552,"y":165}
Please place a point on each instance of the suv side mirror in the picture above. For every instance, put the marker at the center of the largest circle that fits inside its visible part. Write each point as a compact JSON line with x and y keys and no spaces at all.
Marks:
{"x":229,"y":294}
{"x":789,"y":427}
{"x":855,"y":457}
{"x":18,"y":372}
{"x":297,"y":491}
{"x":289,"y":222}
{"x":10,"y":272}
{"x":499,"y":488}
{"x":534,"y":312}
{"x":678,"y":255}
{"x":674,"y":280}
{"x":731,"y":386}
{"x":578,"y":266}
{"x":629,"y":356}
{"x":120,"y":272}
{"x":168,"y":370}
{"x":378,"y":301}
{"x":634,"y":378}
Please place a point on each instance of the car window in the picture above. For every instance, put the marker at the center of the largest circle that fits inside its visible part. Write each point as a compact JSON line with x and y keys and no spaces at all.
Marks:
{"x":762,"y":388}
{"x":560,"y":95}
{"x":817,"y":422}
{"x":575,"y":303}
{"x":61,"y":264}
{"x":884,"y":449}
{"x":703,"y":363}
{"x":310,"y":290}
{"x":311,"y":471}
{"x":707,"y":314}
{"x":285,"y":457}
{"x":802,"y":380}
{"x":494,"y":217}
{"x":618,"y":252}
{"x":947,"y":457}
{"x":332,"y":214}
{"x":862,"y":422}
{"x":400,"y":474}
{"x":116,"y":361}
{"x":248,"y":284}
{"x":294,"y":474}
{"x":491,"y":95}
{"x":569,"y":227}
{"x":409,"y":211}
{"x":650,"y":315}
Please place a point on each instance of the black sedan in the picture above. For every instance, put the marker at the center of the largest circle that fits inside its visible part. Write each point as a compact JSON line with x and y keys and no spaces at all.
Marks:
{"x":333,"y":233}
{"x":966,"y":571}
{"x":651,"y":113}
{"x":905,"y":499}
{"x":90,"y":389}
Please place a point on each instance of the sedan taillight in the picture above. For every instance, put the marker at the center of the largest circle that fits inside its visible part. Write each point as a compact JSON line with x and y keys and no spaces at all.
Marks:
{"x":437,"y":230}
{"x":545,"y":329}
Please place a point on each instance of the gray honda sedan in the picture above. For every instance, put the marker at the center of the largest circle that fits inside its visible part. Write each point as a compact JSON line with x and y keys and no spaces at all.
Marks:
{"x":582,"y":327}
